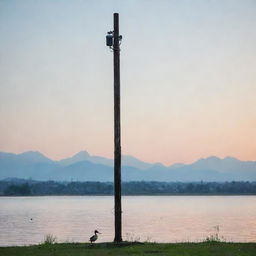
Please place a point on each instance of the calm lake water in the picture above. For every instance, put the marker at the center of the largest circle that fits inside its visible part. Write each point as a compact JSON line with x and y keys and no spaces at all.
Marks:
{"x":26,"y":220}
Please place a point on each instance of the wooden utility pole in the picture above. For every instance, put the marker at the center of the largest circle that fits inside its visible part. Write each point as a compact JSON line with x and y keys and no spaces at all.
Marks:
{"x":113,"y":40}
{"x":117,"y":131}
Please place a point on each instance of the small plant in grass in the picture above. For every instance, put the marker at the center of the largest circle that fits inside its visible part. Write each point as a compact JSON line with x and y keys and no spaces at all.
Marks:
{"x":50,"y":239}
{"x":215,"y":237}
{"x":136,"y":239}
{"x":149,"y":240}
{"x":131,"y":238}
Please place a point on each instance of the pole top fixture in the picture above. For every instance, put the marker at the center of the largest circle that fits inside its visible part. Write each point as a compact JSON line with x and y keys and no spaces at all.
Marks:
{"x":110,"y":37}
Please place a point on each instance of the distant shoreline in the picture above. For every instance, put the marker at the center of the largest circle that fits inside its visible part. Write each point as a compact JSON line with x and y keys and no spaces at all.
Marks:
{"x":125,"y":195}
{"x":17,"y":187}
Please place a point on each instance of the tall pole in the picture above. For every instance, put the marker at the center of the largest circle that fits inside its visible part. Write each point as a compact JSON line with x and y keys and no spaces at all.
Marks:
{"x":117,"y":132}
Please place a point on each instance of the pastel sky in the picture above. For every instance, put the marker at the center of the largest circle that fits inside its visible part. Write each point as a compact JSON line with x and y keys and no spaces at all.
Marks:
{"x":188,"y":78}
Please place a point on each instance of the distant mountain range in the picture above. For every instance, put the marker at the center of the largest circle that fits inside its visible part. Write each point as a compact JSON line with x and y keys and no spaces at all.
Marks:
{"x":84,"y":167}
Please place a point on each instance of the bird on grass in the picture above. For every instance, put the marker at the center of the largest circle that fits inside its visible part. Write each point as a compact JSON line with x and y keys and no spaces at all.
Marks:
{"x":95,"y":236}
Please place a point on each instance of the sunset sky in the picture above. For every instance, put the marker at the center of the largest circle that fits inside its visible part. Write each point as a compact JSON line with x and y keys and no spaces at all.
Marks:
{"x":188,"y":78}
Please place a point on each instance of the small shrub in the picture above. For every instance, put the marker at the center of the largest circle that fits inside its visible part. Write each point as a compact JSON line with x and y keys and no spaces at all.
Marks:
{"x":149,"y":240}
{"x":215,"y":237}
{"x":131,"y":238}
{"x":50,"y":239}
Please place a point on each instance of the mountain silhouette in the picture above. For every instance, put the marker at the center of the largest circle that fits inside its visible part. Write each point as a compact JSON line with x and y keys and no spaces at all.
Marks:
{"x":84,"y":167}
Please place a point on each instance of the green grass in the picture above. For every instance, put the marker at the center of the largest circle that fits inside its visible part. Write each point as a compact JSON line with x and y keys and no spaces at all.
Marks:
{"x":126,"y":248}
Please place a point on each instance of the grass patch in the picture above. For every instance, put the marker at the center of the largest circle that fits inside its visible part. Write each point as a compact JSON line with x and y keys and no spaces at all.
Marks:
{"x":134,"y":248}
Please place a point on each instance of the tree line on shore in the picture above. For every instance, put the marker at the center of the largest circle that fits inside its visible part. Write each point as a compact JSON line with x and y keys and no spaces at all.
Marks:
{"x":37,"y":188}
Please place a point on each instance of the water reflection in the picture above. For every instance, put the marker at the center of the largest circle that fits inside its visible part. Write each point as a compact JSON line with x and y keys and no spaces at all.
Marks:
{"x":26,"y":220}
